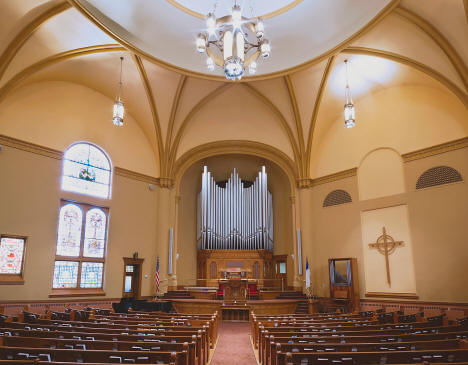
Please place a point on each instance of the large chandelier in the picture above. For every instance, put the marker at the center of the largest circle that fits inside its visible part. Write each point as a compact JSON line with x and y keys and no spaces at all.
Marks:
{"x":234,"y":43}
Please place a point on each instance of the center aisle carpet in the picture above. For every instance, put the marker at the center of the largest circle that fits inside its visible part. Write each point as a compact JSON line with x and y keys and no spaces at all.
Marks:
{"x":234,"y":346}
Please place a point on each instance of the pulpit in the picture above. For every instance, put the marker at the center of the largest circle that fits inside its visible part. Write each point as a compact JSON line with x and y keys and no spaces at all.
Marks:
{"x":235,"y":289}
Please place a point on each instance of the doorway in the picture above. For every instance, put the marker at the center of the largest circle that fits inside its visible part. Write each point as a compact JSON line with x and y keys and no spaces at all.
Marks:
{"x":132,"y":278}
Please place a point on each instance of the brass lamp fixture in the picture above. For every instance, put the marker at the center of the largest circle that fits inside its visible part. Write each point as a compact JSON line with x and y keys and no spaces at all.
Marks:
{"x":119,"y":109}
{"x":349,"y":111}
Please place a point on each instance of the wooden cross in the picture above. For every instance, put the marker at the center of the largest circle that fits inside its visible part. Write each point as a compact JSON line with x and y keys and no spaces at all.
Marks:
{"x":386,"y":245}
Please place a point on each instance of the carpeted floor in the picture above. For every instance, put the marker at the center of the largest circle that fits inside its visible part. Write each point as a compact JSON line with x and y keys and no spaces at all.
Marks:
{"x":234,"y":346}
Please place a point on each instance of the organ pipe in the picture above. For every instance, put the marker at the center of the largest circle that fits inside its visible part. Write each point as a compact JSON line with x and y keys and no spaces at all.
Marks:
{"x":236,"y":215}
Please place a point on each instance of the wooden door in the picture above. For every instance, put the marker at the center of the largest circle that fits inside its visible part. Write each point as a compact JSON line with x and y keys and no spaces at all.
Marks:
{"x":132,"y":278}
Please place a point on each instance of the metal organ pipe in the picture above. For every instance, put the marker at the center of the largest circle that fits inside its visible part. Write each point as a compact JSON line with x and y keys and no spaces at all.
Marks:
{"x":234,"y":217}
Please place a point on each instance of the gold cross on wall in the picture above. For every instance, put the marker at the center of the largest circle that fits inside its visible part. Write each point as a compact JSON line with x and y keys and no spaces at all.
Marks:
{"x":386,"y":245}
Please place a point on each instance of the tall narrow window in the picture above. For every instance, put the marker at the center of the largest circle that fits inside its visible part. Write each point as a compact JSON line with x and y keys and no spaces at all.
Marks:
{"x":86,"y":170}
{"x":81,"y":246}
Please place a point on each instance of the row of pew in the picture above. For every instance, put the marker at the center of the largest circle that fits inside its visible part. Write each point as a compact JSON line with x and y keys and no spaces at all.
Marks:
{"x":96,"y":336}
{"x":359,"y":338}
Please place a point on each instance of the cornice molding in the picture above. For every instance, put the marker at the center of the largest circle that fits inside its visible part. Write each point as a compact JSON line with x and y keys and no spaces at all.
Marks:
{"x":58,"y":155}
{"x":371,"y":24}
{"x":135,"y":176}
{"x":30,"y":147}
{"x":334,"y":177}
{"x":436,"y":150}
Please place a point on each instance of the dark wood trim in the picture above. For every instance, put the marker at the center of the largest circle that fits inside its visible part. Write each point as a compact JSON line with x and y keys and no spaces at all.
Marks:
{"x":393,"y":295}
{"x":415,"y":302}
{"x":76,"y":293}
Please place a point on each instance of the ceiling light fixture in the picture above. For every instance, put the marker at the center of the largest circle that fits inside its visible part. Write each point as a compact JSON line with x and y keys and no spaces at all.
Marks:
{"x":349,"y":111}
{"x":234,"y":43}
{"x":119,"y":109}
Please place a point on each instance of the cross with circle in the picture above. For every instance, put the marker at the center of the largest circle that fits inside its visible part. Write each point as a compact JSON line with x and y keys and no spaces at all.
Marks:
{"x":386,"y":245}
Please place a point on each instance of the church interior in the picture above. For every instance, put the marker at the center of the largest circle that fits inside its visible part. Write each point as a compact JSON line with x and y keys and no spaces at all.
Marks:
{"x":233,"y":182}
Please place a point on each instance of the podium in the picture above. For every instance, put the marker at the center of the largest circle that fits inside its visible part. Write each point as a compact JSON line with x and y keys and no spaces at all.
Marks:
{"x":235,"y":289}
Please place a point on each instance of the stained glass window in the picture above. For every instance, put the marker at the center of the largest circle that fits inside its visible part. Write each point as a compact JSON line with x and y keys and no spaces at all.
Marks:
{"x":75,"y":251}
{"x":69,"y":230}
{"x":65,"y":274}
{"x":86,"y":170}
{"x":11,"y":255}
{"x":91,"y":274}
{"x":95,"y":233}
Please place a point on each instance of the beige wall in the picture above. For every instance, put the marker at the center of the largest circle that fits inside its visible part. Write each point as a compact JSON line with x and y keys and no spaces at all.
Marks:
{"x":30,"y":197}
{"x":437,"y":219}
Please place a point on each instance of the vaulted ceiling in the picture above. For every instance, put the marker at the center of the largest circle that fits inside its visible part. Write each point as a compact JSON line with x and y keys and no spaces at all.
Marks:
{"x":167,"y":89}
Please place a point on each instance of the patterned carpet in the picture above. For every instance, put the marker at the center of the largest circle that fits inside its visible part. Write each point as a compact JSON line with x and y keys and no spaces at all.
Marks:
{"x":234,"y":346}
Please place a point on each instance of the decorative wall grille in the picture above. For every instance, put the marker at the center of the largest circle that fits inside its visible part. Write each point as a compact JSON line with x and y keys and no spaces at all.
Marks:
{"x":439,"y":175}
{"x":337,"y":197}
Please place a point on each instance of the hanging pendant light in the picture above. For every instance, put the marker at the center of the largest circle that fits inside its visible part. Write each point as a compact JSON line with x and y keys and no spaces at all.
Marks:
{"x":349,"y":111}
{"x":119,"y":109}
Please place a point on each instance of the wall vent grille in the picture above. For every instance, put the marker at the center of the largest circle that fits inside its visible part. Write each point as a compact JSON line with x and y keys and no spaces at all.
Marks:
{"x":439,"y":175}
{"x":337,"y":197}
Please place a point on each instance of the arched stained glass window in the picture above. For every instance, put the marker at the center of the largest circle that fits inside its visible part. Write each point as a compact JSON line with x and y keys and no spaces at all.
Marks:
{"x":95,"y":233}
{"x":86,"y":170}
{"x":69,"y":230}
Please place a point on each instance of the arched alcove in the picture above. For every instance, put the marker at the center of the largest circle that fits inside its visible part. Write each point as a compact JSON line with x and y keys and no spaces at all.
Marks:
{"x":381,"y":174}
{"x":220,"y":167}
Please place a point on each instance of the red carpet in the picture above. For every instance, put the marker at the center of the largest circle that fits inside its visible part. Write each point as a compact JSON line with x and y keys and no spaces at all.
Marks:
{"x":234,"y":345}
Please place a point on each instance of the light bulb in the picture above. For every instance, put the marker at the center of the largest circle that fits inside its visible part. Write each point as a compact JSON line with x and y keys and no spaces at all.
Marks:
{"x":211,"y":23}
{"x":259,"y":28}
{"x":210,"y":64}
{"x":253,"y":68}
{"x":201,"y":43}
{"x":265,"y":48}
{"x":236,"y":16}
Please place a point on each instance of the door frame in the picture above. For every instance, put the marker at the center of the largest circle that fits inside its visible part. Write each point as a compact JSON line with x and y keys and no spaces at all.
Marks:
{"x":134,"y":262}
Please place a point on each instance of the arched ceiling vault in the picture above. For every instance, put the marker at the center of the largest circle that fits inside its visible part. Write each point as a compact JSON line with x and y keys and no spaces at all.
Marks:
{"x":168,"y":131}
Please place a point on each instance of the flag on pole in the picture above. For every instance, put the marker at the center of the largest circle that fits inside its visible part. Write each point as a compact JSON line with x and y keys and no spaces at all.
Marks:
{"x":157,"y":275}
{"x":307,"y":274}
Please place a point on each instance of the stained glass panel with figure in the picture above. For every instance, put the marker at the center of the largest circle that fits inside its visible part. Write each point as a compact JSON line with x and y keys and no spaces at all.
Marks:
{"x":95,"y":233}
{"x":11,"y":255}
{"x":69,"y":230}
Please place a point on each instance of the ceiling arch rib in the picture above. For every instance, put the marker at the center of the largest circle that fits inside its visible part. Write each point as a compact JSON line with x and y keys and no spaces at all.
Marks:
{"x":414,"y":64}
{"x":318,"y":100}
{"x":441,"y":41}
{"x":297,"y":118}
{"x":38,"y":16}
{"x":154,"y":112}
{"x":28,"y":71}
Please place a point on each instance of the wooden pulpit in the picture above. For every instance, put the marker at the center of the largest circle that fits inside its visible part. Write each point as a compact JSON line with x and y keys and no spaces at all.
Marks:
{"x":235,"y":289}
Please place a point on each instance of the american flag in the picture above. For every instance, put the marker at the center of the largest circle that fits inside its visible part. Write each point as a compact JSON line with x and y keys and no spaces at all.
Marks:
{"x":157,"y":275}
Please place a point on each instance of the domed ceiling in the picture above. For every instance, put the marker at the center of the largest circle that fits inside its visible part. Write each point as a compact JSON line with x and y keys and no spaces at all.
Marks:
{"x":300,"y":31}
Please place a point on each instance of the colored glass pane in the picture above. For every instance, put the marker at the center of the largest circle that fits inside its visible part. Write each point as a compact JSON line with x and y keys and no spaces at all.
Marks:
{"x":86,"y":169}
{"x":69,"y":231}
{"x":65,"y":274}
{"x":95,"y":233}
{"x":91,"y":274}
{"x":11,"y":255}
